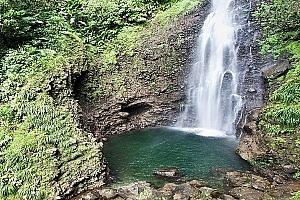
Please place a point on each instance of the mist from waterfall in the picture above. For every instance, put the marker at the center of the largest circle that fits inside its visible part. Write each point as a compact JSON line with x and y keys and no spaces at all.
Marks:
{"x":213,"y":102}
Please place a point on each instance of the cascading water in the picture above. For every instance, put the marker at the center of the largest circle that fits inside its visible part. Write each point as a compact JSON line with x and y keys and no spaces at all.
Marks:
{"x":213,"y":102}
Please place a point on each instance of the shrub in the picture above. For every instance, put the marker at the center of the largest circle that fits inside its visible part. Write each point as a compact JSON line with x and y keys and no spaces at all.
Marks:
{"x":280,"y":21}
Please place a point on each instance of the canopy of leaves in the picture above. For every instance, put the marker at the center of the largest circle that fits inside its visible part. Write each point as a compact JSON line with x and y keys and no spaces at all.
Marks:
{"x":95,"y":21}
{"x":280,"y":21}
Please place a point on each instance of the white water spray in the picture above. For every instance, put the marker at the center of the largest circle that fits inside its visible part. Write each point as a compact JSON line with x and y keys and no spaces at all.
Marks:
{"x":213,"y":102}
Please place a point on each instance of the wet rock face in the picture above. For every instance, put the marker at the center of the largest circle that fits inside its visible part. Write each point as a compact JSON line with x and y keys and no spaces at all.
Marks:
{"x":249,"y":147}
{"x":252,"y":87}
{"x":254,"y":145}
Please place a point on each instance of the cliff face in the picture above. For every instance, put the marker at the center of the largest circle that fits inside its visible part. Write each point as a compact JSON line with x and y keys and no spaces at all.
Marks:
{"x":274,"y":155}
{"x":152,"y":79}
{"x":270,"y":139}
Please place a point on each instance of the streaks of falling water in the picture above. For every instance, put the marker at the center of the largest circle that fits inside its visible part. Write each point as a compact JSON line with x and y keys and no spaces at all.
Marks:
{"x":213,"y":102}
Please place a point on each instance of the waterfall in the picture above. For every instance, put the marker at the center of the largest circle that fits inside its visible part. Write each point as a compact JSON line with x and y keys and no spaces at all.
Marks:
{"x":213,"y":102}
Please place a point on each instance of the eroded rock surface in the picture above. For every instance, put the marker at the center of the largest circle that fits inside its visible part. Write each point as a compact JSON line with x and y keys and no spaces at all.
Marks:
{"x":247,"y":185}
{"x":249,"y":146}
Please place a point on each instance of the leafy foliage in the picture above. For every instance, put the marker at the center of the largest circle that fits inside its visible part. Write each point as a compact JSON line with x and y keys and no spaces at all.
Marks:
{"x":297,"y":175}
{"x":283,"y":113}
{"x":28,"y":158}
{"x":95,"y":21}
{"x":280,"y":20}
{"x":39,"y":138}
{"x":296,"y":196}
{"x":280,"y":120}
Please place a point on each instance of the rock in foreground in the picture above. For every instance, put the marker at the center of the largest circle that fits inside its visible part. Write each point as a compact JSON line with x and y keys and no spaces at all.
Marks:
{"x":193,"y":190}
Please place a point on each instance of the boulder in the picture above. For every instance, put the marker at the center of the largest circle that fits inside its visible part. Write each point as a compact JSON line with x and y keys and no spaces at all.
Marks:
{"x":183,"y":192}
{"x":89,"y":196}
{"x":107,"y":193}
{"x":196,"y":184}
{"x":247,"y":193}
{"x":246,"y":179}
{"x":193,"y":190}
{"x":228,"y":197}
{"x":167,"y":189}
{"x":245,"y":185}
{"x":276,"y":69}
{"x":133,"y":190}
{"x":169,"y":173}
{"x":249,"y":146}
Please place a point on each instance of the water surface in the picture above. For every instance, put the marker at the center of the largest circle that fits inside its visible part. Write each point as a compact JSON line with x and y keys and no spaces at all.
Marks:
{"x":136,"y":155}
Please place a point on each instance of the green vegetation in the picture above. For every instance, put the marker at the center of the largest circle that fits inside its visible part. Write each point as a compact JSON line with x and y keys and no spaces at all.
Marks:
{"x":296,"y":196}
{"x":280,"y":22}
{"x":283,"y":114}
{"x":44,"y":47}
{"x":41,"y":145}
{"x":123,"y":45}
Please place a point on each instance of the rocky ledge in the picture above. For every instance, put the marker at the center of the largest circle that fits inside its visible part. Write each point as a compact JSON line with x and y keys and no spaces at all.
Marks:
{"x":247,"y":185}
{"x":237,"y":186}
{"x":193,"y":190}
{"x":278,"y":164}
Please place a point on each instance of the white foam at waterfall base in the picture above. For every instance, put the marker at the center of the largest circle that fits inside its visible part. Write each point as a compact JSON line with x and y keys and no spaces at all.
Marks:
{"x":202,"y":132}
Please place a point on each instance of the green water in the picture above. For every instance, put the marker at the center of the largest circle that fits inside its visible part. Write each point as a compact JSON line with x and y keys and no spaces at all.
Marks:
{"x":136,"y":155}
